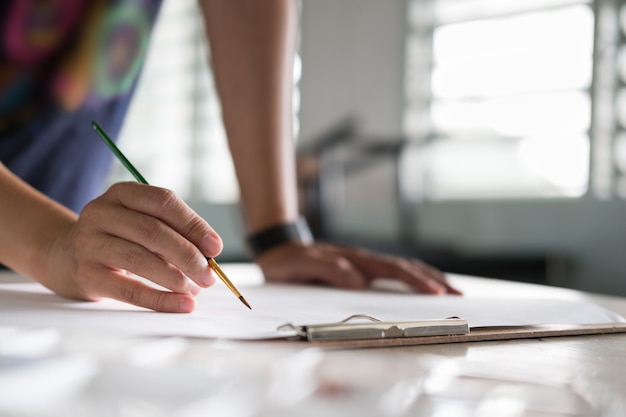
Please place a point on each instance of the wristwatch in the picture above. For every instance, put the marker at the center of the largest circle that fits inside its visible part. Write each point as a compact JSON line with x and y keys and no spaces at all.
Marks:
{"x":266,"y":239}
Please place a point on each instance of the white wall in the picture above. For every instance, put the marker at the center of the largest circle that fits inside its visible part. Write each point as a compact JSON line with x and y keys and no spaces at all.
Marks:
{"x":352,"y":54}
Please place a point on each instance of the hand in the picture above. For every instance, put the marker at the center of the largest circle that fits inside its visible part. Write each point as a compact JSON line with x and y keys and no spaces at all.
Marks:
{"x":347,"y":267}
{"x":136,"y":229}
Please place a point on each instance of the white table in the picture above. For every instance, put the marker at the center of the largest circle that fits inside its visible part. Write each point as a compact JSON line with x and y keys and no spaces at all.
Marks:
{"x":47,"y":372}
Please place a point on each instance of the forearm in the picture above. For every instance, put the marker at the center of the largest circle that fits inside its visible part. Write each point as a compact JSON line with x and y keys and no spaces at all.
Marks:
{"x":29,"y":223}
{"x":252,"y":48}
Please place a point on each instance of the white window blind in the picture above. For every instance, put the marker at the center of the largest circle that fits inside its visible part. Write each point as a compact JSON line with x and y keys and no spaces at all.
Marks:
{"x":173,"y":131}
{"x":615,"y":151}
{"x":499,"y":98}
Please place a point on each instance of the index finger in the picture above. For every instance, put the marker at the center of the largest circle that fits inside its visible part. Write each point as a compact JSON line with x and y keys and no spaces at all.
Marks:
{"x":418,"y":275}
{"x":165,"y":205}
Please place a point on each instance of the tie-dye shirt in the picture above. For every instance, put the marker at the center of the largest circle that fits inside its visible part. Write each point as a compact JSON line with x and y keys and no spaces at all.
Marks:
{"x":64,"y":63}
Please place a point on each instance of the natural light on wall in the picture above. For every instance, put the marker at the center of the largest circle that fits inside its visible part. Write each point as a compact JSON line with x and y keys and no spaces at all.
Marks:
{"x":508,"y":108}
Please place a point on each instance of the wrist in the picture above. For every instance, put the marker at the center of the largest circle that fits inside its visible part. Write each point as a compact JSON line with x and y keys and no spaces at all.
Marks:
{"x":277,"y":235}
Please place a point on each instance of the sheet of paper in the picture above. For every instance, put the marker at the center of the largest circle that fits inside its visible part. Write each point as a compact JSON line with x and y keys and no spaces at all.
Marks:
{"x":220,"y":315}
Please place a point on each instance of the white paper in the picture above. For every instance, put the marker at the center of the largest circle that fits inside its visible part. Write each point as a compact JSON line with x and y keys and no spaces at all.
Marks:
{"x":219,"y":314}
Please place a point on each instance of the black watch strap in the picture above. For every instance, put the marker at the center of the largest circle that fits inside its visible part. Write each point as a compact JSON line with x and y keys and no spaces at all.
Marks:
{"x":277,"y":235}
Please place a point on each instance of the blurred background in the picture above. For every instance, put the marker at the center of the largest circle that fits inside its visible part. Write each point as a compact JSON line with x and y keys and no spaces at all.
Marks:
{"x":484,"y":137}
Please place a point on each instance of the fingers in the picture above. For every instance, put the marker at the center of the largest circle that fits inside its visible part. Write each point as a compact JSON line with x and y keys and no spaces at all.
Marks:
{"x":437,"y":275}
{"x":346,"y":267}
{"x":418,"y":275}
{"x":149,"y":232}
{"x":156,"y":248}
{"x":132,"y":291}
{"x":166,"y":206}
{"x":131,"y":257}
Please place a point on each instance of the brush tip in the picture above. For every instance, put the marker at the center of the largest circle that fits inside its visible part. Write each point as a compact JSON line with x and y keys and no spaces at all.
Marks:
{"x":243,"y":300}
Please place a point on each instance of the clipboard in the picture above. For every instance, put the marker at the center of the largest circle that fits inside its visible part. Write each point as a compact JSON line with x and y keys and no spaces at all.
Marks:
{"x":350,"y":333}
{"x":375,"y":329}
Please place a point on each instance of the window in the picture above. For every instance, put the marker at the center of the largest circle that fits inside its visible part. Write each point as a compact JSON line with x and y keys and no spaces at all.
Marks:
{"x":614,"y":151}
{"x":499,"y":98}
{"x":173,"y":132}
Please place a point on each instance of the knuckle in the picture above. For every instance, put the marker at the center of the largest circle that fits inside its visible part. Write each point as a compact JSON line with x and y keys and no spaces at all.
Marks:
{"x":179,"y":281}
{"x":132,"y":258}
{"x":118,"y":189}
{"x":92,"y":210}
{"x":196,"y":226}
{"x":341,"y":266}
{"x":167,"y":199}
{"x":341,"y":263}
{"x":149,"y":229}
{"x":191,"y":258}
{"x":117,"y":186}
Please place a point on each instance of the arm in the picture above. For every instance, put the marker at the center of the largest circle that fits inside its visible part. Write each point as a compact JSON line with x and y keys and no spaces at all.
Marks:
{"x":30,"y":223}
{"x":132,"y":227}
{"x":252,"y":49}
{"x":252,"y":46}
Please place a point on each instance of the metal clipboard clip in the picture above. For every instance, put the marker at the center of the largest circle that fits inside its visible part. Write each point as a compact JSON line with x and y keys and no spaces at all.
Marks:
{"x":375,"y":328}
